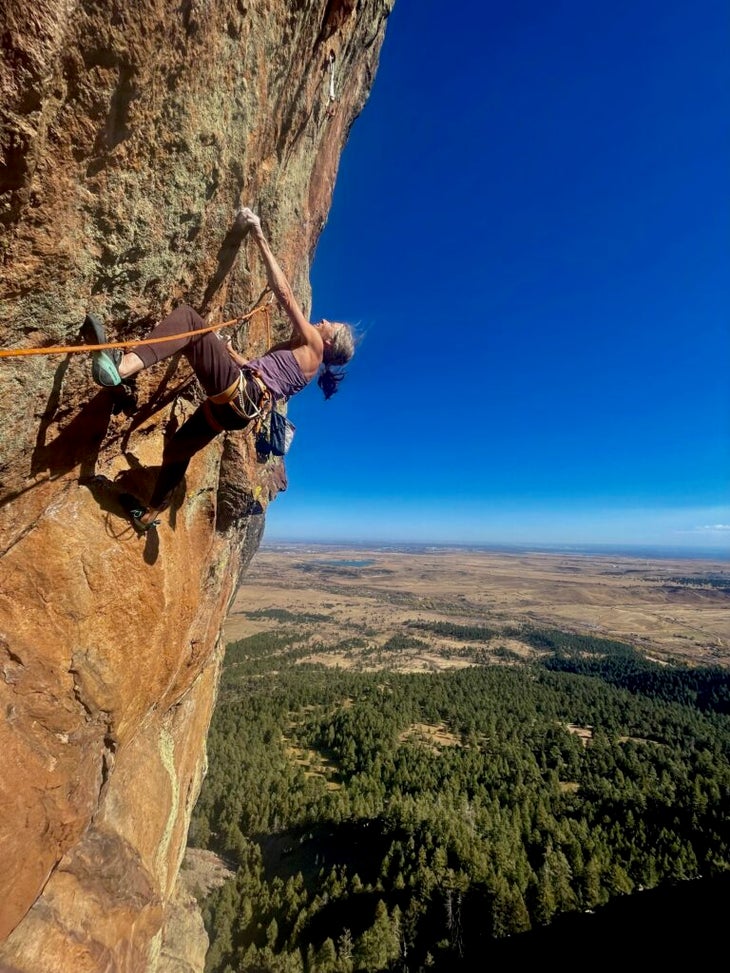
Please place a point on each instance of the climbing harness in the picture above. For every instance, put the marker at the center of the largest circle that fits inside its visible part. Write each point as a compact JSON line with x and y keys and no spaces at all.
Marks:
{"x":239,"y":399}
{"x":263,"y":308}
{"x":237,"y":395}
{"x":223,"y":398}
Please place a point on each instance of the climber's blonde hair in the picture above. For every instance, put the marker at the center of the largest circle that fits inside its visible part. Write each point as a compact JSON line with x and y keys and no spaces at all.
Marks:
{"x":342,"y":346}
{"x":337,"y":352}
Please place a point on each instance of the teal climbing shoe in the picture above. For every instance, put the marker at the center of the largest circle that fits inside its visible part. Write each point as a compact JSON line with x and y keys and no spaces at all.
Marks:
{"x":104,"y":368}
{"x":137,"y":513}
{"x":135,"y":509}
{"x":104,"y":364}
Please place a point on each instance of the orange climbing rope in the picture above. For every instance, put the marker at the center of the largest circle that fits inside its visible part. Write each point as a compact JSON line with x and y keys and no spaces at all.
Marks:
{"x":72,"y":349}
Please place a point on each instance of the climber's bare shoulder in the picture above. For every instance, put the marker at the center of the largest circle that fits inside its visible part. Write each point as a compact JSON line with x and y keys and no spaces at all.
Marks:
{"x":308,"y":348}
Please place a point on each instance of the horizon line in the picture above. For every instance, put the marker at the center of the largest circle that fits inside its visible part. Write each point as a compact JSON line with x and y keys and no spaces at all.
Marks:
{"x":598,"y":548}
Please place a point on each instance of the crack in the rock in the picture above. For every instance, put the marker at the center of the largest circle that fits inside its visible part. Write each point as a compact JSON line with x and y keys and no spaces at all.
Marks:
{"x":103,"y":717}
{"x":23,"y":534}
{"x":13,"y":656}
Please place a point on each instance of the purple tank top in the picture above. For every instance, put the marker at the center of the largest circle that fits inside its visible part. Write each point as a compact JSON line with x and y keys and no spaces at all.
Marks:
{"x":280,"y":371}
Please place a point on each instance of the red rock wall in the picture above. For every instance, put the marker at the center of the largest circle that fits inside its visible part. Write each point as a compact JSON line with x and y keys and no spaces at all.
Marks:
{"x":130,"y":133}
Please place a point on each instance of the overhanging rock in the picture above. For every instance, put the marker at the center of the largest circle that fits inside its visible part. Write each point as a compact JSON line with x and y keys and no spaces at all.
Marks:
{"x":130,"y":133}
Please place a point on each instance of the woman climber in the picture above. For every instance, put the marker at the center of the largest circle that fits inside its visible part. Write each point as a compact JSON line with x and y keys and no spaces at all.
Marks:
{"x":235,"y":387}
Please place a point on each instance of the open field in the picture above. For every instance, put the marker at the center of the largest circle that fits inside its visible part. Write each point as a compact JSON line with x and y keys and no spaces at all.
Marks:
{"x":356,"y":603}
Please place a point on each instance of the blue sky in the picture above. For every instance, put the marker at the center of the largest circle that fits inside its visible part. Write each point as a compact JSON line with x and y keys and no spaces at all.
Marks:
{"x":530,"y":227}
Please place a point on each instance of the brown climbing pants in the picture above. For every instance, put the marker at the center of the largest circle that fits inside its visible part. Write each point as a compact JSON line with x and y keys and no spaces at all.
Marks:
{"x":207,"y":354}
{"x":216,"y":371}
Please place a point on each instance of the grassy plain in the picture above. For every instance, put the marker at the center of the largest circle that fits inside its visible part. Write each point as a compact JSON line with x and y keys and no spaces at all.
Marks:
{"x":356,"y":603}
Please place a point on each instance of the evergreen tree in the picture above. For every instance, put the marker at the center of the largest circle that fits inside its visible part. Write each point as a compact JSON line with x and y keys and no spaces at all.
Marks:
{"x":380,"y":944}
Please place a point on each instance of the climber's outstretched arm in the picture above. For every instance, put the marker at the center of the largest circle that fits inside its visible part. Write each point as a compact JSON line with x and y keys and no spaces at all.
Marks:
{"x":305,"y":331}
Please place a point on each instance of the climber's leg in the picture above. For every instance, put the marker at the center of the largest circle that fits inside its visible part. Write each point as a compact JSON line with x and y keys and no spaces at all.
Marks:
{"x":192,"y":436}
{"x":207,"y":354}
{"x":213,"y":366}
{"x":202,"y":427}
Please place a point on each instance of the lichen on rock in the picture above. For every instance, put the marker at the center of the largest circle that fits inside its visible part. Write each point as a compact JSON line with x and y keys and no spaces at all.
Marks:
{"x":130,"y":133}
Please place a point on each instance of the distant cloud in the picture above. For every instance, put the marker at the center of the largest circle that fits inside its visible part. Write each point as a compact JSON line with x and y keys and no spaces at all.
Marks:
{"x":720,"y":530}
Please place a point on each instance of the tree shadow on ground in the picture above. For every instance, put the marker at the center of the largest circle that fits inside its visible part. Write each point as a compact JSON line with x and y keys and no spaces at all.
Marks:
{"x":673,"y":924}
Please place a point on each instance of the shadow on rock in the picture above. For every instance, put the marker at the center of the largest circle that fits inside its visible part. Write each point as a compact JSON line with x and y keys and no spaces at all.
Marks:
{"x":161,"y":397}
{"x":117,"y":502}
{"x":226,"y":258}
{"x":78,"y":444}
{"x":121,"y":497}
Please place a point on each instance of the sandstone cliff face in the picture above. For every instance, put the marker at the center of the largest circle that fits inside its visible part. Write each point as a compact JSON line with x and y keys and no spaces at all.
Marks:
{"x":130,"y":133}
